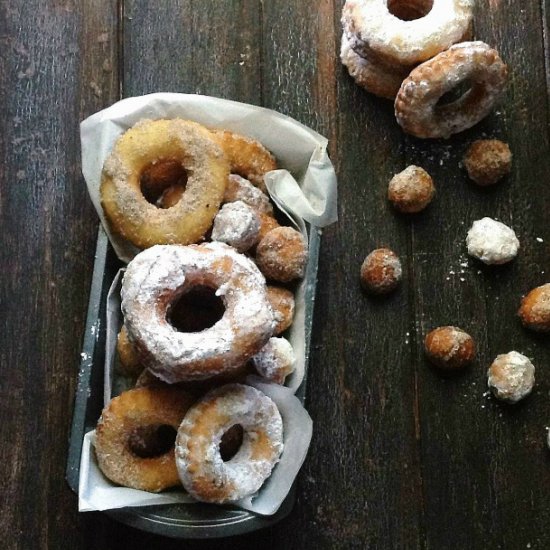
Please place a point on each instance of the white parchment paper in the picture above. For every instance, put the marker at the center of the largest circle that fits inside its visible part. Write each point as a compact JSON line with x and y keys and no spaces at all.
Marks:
{"x":305,"y":184}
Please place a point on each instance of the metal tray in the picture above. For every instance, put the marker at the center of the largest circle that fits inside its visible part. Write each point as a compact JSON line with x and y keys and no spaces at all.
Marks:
{"x":182,"y":520}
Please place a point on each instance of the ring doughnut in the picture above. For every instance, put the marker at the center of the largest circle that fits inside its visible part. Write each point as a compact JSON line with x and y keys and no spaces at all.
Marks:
{"x":247,"y":157}
{"x":157,"y":277}
{"x":133,"y":438}
{"x":202,"y":470}
{"x":163,"y":141}
{"x":375,"y":78}
{"x":405,"y":32}
{"x":275,"y":361}
{"x":416,"y":104}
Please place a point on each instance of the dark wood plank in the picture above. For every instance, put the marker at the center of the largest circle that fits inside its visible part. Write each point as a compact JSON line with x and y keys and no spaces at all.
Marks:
{"x":484,"y":465}
{"x":57,"y":65}
{"x":207,"y":48}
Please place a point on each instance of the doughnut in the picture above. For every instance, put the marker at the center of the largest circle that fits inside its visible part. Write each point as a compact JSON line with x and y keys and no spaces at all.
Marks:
{"x":129,"y":359}
{"x":281,"y":301}
{"x":405,"y":32}
{"x":202,"y":470}
{"x":411,"y":190}
{"x":487,"y":161}
{"x":134,"y":438}
{"x":416,"y":105}
{"x":151,"y":142}
{"x":237,"y":225}
{"x":157,"y":277}
{"x":240,"y":189}
{"x":282,"y":255}
{"x":247,"y":157}
{"x":275,"y":361}
{"x":267,"y":223}
{"x":373,"y":77}
{"x":492,"y":242}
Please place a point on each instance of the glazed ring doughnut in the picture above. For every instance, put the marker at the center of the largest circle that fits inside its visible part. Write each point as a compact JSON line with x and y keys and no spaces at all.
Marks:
{"x":202,"y":470}
{"x":147,"y":143}
{"x":416,"y":105}
{"x":247,"y":157}
{"x":134,"y":438}
{"x":419,"y":29}
{"x":157,"y":277}
{"x":375,"y":78}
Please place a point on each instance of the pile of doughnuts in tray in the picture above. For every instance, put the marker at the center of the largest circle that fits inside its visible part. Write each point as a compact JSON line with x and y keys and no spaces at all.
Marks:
{"x":417,"y":53}
{"x":205,"y":304}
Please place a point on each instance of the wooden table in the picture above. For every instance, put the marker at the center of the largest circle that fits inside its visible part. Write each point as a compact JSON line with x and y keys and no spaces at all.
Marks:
{"x":401,"y":457}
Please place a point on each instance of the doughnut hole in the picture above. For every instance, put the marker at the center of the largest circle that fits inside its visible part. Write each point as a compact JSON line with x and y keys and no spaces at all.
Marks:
{"x":163,"y":183}
{"x":196,"y":310}
{"x":152,"y":441}
{"x":409,"y":10}
{"x":231,"y":442}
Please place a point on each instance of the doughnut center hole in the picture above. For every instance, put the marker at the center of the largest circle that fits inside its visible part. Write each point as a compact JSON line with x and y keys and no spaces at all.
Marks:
{"x":231,"y":442}
{"x":163,"y":182}
{"x":196,"y":310}
{"x":152,"y":441}
{"x":409,"y":10}
{"x":460,"y":90}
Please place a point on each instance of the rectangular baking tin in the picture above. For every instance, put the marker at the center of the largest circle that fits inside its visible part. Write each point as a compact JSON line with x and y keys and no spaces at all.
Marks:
{"x":181,"y":520}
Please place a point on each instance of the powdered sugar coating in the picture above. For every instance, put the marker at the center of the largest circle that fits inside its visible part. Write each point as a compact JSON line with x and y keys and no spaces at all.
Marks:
{"x":240,"y":189}
{"x":417,"y":107}
{"x":202,"y":470}
{"x":492,"y":242}
{"x":374,"y":31}
{"x":511,"y":377}
{"x":374,"y":77}
{"x":237,"y":225}
{"x":158,"y":276}
{"x":276,"y":360}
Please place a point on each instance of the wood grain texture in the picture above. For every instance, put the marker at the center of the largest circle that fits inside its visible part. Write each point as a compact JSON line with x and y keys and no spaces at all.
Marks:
{"x":56,"y":67}
{"x":402,"y":457}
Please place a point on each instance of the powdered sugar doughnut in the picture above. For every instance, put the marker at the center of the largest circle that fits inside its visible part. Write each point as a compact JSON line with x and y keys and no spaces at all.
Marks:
{"x":511,"y":377}
{"x":202,"y":470}
{"x":237,"y":225}
{"x":376,"y":78}
{"x":275,"y":361}
{"x":158,"y":276}
{"x":181,"y":142}
{"x":492,"y":242}
{"x":282,"y":303}
{"x":282,"y":254}
{"x":416,"y":105}
{"x":240,"y":189}
{"x":247,"y":157}
{"x":134,"y":439}
{"x":405,"y":32}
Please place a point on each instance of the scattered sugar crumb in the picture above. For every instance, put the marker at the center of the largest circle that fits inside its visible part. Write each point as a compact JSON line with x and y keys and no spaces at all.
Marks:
{"x":539,"y":240}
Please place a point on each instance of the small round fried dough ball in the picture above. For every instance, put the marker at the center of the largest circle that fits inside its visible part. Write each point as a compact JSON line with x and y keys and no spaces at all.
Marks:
{"x":381,"y":271}
{"x":282,"y":255}
{"x":281,"y":301}
{"x":535,"y":309}
{"x":511,"y":377}
{"x":488,"y":161}
{"x":411,"y":190}
{"x":449,"y":347}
